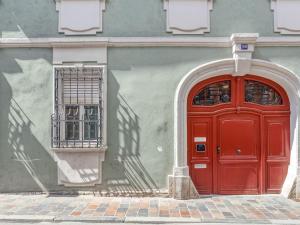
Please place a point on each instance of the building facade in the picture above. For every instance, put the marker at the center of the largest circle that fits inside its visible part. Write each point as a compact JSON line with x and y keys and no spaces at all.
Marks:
{"x":184,"y":97}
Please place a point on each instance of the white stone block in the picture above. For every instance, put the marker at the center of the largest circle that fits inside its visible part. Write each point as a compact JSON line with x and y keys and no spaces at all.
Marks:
{"x":188,"y":16}
{"x":80,"y":17}
{"x":286,"y":16}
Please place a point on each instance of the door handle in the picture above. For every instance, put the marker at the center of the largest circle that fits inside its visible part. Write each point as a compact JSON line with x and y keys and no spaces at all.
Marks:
{"x":238,"y":151}
{"x":218,"y":149}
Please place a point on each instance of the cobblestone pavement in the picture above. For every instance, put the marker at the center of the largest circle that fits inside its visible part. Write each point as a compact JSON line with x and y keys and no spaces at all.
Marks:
{"x":270,"y":207}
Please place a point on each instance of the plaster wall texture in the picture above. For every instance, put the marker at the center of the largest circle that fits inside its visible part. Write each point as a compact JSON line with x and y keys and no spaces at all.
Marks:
{"x":141,"y":89}
{"x":129,"y":18}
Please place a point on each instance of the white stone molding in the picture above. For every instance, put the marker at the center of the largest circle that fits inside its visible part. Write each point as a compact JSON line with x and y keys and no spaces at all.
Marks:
{"x":77,"y":168}
{"x":88,"y":42}
{"x":188,"y":16}
{"x":286,"y":16}
{"x":80,"y":17}
{"x":286,"y":78}
{"x":242,"y":48}
{"x":67,"y":55}
{"x":82,"y":166}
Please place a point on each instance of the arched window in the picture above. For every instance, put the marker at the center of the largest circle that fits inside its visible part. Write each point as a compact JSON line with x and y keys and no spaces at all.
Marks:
{"x":213,"y":94}
{"x":262,"y":94}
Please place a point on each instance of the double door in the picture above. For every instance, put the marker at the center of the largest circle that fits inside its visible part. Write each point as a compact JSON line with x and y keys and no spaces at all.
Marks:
{"x":236,"y":149}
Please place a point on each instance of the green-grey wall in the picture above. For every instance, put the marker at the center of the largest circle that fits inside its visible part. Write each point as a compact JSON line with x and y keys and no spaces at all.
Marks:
{"x":141,"y":88}
{"x":38,"y":18}
{"x":25,"y":107}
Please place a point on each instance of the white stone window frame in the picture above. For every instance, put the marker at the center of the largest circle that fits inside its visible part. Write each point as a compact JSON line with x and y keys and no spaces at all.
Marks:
{"x":80,"y":17}
{"x":286,"y":16}
{"x":82,"y":167}
{"x":188,"y":16}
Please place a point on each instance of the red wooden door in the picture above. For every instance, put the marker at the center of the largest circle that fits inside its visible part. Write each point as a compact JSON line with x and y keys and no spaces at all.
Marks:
{"x":238,"y":158}
{"x":238,"y":135}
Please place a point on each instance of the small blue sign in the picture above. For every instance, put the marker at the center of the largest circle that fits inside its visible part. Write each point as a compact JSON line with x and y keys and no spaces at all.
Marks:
{"x":244,"y":46}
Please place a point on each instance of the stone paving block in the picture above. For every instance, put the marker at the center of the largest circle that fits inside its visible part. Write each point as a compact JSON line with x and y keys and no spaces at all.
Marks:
{"x":164,"y":213}
{"x":143,"y":212}
{"x":209,"y":208}
{"x":76,"y":213}
{"x":132,"y":212}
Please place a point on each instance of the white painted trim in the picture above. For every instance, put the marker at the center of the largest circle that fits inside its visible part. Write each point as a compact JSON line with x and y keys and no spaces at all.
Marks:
{"x":81,"y":150}
{"x":71,"y":12}
{"x":78,"y":169}
{"x":222,"y":42}
{"x":286,"y":78}
{"x":80,"y":55}
{"x":284,"y":24}
{"x":70,"y":156}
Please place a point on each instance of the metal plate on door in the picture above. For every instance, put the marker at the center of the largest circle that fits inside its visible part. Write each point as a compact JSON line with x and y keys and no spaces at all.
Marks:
{"x":200,"y":166}
{"x":199,"y":139}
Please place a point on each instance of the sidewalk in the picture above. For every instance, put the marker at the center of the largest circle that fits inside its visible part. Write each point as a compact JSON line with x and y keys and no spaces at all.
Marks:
{"x":218,"y":209}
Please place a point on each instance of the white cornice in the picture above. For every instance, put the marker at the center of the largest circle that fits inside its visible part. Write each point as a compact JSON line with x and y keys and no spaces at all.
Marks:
{"x":223,"y":42}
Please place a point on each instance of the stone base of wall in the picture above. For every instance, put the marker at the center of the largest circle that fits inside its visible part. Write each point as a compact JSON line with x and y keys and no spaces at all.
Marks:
{"x":292,"y":194}
{"x":297,"y":188}
{"x":182,"y":187}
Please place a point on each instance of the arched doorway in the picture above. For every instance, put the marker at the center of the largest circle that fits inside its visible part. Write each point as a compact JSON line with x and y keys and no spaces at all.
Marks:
{"x":238,"y":135}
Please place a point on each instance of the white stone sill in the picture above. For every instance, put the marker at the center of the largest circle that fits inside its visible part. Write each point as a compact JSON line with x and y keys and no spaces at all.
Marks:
{"x":80,"y":150}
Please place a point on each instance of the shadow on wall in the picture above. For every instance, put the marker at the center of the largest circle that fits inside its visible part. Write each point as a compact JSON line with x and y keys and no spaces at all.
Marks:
{"x":25,"y":165}
{"x":28,"y":18}
{"x":123,"y":169}
{"x":19,"y":137}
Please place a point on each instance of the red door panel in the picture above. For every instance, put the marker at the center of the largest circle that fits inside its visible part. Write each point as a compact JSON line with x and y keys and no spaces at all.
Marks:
{"x":276,"y":173}
{"x":238,"y":178}
{"x":238,"y":159}
{"x":238,"y":136}
{"x":277,"y":151}
{"x":200,"y":153}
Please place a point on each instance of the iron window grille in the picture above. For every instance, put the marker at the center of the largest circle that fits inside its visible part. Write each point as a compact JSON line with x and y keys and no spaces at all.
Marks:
{"x":213,"y":94}
{"x":262,"y":94}
{"x":77,"y":121}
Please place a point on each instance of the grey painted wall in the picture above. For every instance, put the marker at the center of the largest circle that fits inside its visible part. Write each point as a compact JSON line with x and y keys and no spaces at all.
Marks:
{"x":38,"y":18}
{"x":26,"y":103}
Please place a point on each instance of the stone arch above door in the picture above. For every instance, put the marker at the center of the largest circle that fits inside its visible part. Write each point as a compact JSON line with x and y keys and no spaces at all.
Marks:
{"x":180,"y":185}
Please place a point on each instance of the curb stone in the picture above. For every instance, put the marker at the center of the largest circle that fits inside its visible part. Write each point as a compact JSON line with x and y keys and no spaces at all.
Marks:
{"x":94,"y":219}
{"x":26,"y":218}
{"x":239,"y":221}
{"x":160,"y":220}
{"x":286,"y":222}
{"x":141,"y":220}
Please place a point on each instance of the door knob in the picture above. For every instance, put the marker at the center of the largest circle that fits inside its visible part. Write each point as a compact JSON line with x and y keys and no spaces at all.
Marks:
{"x":218,"y":149}
{"x":238,"y":151}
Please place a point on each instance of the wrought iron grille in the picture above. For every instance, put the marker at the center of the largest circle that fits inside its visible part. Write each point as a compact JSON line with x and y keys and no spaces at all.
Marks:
{"x":216,"y":93}
{"x":262,"y":94}
{"x":78,"y":118}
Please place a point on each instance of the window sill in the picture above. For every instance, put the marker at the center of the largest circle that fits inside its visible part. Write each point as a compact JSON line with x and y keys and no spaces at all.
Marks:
{"x":80,"y":150}
{"x":79,"y":167}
